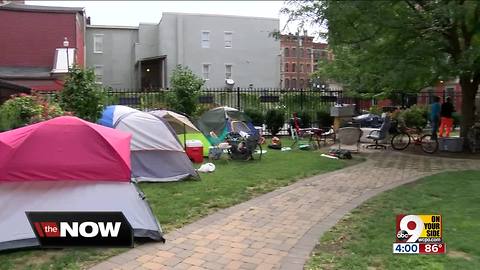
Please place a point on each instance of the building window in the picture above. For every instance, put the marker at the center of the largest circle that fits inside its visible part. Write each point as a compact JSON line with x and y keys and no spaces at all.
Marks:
{"x":294,"y":83}
{"x":228,"y":71}
{"x":286,"y":67}
{"x":98,"y":74}
{"x":308,"y":68}
{"x":286,"y":52}
{"x":301,"y":83}
{"x":301,"y":52}
{"x":294,"y":52}
{"x":301,"y":68}
{"x":205,"y":39}
{"x":228,"y":37}
{"x":98,"y":43}
{"x":287,"y":83}
{"x":293,"y":67}
{"x":206,"y":71}
{"x":309,"y":53}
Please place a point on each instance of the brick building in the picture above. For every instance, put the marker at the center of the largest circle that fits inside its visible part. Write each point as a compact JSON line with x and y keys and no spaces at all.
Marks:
{"x":300,"y":56}
{"x":38,"y":43}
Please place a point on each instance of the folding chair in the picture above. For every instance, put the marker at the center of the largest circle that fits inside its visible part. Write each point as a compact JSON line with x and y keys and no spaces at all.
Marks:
{"x":300,"y":135}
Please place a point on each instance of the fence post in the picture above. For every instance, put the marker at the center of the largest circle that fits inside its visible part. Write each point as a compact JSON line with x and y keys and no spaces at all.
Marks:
{"x":301,"y":99}
{"x":238,"y":98}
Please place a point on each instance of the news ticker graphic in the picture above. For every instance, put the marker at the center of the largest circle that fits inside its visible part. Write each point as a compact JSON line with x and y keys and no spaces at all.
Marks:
{"x":92,"y":229}
{"x":419,"y":234}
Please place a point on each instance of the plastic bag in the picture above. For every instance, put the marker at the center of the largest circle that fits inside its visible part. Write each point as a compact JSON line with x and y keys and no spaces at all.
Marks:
{"x":207,"y":167}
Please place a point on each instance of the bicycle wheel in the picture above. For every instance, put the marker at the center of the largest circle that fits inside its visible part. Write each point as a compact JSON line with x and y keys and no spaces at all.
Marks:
{"x":429,"y":144}
{"x":400,"y":141}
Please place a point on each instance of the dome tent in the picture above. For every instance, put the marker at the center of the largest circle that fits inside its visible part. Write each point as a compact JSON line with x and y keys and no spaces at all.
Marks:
{"x":184,"y":128}
{"x":67,"y":164}
{"x":223,"y":120}
{"x":157,"y":155}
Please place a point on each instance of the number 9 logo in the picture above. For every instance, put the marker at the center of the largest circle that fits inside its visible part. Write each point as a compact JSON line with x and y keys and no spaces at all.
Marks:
{"x":413,"y":225}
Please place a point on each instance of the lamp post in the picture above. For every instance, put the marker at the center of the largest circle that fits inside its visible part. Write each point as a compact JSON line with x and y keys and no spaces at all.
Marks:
{"x":66,"y":44}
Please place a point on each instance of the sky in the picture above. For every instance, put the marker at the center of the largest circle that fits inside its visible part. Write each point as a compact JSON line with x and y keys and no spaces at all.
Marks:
{"x":131,"y":13}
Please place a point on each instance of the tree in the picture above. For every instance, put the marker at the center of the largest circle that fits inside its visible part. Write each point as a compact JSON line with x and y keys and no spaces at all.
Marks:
{"x":385,"y":46}
{"x":81,"y":95}
{"x":185,"y":87}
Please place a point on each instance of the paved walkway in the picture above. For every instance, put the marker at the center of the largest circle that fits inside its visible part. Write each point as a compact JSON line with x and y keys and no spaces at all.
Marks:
{"x":279,"y":230}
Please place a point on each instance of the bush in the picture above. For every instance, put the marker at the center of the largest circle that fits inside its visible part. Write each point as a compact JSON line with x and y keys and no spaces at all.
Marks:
{"x":257,"y":116}
{"x":82,"y":96}
{"x":22,"y":110}
{"x":324,"y":119}
{"x":414,"y":117}
{"x":274,"y":120}
{"x":305,"y":119}
{"x":185,"y":89}
{"x":375,"y":109}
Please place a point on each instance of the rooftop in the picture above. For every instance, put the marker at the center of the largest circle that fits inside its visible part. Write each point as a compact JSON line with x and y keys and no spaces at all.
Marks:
{"x":22,"y":7}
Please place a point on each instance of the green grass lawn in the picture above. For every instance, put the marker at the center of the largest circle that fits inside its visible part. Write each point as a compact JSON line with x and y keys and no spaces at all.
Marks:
{"x":176,"y":204}
{"x":364,"y":238}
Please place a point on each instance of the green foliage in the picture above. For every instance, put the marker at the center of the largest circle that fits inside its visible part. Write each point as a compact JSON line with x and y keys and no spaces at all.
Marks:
{"x":375,"y":109}
{"x":274,"y":119}
{"x":305,"y":119}
{"x":185,"y":89}
{"x":82,"y":95}
{"x":414,"y":117}
{"x":324,"y":119}
{"x":256,"y":115}
{"x":401,"y":46}
{"x":25,"y":109}
{"x":457,"y":119}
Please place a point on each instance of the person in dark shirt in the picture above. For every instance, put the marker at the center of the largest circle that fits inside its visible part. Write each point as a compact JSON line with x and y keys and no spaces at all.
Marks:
{"x":446,"y":119}
{"x":435,"y":116}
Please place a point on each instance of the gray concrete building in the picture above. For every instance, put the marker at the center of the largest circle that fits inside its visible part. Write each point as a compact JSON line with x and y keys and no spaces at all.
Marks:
{"x":215,"y":47}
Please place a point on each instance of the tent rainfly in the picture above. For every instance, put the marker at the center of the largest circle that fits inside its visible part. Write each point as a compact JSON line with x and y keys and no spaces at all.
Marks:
{"x":157,"y":155}
{"x":184,"y":128}
{"x":67,"y":164}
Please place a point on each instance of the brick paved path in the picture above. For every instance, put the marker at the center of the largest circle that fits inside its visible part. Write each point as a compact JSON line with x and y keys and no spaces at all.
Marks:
{"x":279,"y":230}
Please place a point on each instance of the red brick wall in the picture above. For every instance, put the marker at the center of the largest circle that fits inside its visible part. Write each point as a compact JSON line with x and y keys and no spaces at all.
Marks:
{"x":30,"y":38}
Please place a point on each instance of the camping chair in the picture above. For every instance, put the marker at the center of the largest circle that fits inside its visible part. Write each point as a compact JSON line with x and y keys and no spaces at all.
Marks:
{"x":379,"y":134}
{"x":349,"y":136}
{"x":300,"y":135}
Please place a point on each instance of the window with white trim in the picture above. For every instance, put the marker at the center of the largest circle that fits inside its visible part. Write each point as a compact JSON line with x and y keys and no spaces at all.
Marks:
{"x":205,"y":39}
{"x":98,"y":43}
{"x":228,"y":71}
{"x":228,"y":38}
{"x":206,"y":71}
{"x":98,"y":74}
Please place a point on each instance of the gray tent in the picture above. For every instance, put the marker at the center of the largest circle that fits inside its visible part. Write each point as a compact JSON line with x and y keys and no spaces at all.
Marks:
{"x":18,"y":197}
{"x":157,"y":154}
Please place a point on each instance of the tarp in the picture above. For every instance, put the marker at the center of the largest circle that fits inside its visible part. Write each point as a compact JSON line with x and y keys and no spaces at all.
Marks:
{"x":221,"y":121}
{"x":67,"y":164}
{"x":184,"y":128}
{"x":157,"y":155}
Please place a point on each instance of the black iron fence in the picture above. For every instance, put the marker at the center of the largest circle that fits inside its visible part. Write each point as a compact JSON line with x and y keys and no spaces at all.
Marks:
{"x":305,"y":101}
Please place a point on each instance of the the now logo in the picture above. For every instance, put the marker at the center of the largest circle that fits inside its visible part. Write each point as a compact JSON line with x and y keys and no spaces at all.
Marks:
{"x":60,"y":229}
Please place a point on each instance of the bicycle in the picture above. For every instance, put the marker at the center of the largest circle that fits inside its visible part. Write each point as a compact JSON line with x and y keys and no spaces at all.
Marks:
{"x":402,"y":140}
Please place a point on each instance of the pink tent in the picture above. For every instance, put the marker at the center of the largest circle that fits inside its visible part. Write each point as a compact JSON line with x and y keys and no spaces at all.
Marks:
{"x":67,"y":165}
{"x":65,"y":148}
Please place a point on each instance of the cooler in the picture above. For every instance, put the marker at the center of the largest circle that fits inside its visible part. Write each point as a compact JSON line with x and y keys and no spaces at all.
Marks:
{"x":194,"y":150}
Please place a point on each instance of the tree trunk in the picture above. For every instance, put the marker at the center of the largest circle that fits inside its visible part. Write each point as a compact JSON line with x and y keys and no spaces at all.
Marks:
{"x":469,"y":91}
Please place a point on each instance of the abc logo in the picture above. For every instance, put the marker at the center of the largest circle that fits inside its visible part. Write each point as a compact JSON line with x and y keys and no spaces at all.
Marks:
{"x":402,"y":235}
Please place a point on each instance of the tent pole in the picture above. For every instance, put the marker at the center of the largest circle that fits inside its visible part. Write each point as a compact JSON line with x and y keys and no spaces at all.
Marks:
{"x":184,"y":137}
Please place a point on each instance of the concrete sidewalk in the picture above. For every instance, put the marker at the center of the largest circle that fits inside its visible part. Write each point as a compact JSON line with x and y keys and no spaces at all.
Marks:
{"x":279,"y":230}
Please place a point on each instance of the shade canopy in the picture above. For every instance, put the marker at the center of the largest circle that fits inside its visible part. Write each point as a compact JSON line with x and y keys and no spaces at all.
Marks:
{"x":64,"y":148}
{"x":180,"y":123}
{"x":157,"y":155}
